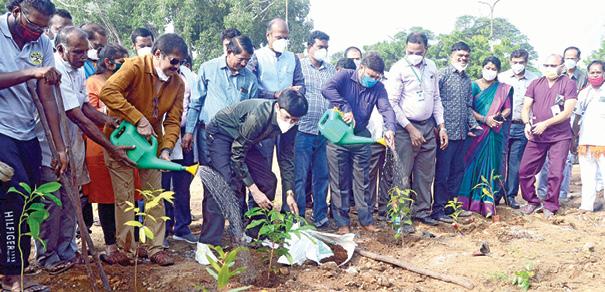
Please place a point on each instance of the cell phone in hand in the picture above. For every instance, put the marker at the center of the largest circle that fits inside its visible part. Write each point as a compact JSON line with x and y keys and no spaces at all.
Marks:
{"x":499,"y":118}
{"x":477,"y":131}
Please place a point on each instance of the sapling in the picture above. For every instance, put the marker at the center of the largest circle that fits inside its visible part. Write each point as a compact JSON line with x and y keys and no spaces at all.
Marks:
{"x":400,"y":208}
{"x":456,"y":207}
{"x":488,"y":191}
{"x":277,"y":228}
{"x":153,"y":199}
{"x":522,"y":279}
{"x":220,"y":269}
{"x":34,"y":213}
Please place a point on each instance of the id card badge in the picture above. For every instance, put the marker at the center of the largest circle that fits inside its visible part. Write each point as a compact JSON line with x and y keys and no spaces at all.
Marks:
{"x":420,"y":95}
{"x":555,"y":109}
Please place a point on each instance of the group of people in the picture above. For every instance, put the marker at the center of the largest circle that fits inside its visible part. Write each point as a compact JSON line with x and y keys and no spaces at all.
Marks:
{"x":445,"y":133}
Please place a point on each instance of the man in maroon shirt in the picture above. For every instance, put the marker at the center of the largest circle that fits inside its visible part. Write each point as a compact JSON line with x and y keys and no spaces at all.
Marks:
{"x":549,"y":102}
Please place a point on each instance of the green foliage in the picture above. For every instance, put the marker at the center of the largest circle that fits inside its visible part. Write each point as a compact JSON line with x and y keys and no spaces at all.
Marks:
{"x":598,"y":54}
{"x":220,"y":269}
{"x":277,"y":228}
{"x":522,"y":278}
{"x":200,"y":22}
{"x":488,"y":188}
{"x":400,"y":208}
{"x":393,"y":50}
{"x":34,"y":213}
{"x":456,"y":207}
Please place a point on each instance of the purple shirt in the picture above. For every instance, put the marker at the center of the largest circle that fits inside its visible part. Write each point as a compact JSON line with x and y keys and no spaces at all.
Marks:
{"x":345,"y":92}
{"x":545,"y":98}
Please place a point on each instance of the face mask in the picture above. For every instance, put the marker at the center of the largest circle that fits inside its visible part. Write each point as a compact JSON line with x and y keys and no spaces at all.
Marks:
{"x":517,"y":68}
{"x":489,"y":75}
{"x":280,"y":46}
{"x":550,"y":73}
{"x":284,"y":126}
{"x":92,"y":54}
{"x":118,"y":66}
{"x":414,"y":59}
{"x":320,"y":55}
{"x":163,"y":77}
{"x":144,"y":51}
{"x":596,"y":82}
{"x":367,"y":81}
{"x":460,"y":67}
{"x":27,"y":33}
{"x":357,"y":63}
{"x":570,"y":64}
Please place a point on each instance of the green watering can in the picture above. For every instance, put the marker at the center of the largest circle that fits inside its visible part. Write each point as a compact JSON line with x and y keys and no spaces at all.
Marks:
{"x":145,"y":153}
{"x":333,"y":127}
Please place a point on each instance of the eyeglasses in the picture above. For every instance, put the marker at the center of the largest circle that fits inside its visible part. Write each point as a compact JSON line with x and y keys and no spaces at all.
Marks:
{"x":176,"y":61}
{"x":550,"y":65}
{"x":34,"y":26}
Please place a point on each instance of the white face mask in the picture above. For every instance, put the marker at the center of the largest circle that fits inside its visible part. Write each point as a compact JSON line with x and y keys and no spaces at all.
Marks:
{"x":489,"y":75}
{"x":144,"y":51}
{"x":161,"y":75}
{"x":92,"y":54}
{"x":570,"y":64}
{"x":459,"y":66}
{"x":280,"y":45}
{"x":284,"y":126}
{"x":414,"y":59}
{"x":320,"y":55}
{"x":517,"y":68}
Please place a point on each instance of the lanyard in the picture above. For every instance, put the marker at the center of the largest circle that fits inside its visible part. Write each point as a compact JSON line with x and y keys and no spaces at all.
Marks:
{"x":419,"y":78}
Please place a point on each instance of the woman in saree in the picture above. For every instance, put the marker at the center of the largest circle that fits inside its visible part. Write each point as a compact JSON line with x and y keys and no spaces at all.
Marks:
{"x":483,"y":160}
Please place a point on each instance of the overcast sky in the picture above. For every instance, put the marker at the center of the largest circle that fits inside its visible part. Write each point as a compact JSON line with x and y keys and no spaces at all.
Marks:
{"x":551,"y":26}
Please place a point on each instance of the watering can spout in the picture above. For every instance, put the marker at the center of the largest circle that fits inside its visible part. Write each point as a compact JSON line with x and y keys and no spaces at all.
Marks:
{"x":145,"y":152}
{"x":333,"y":127}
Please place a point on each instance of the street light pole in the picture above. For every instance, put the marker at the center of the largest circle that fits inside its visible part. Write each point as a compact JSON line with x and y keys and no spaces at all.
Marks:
{"x":491,"y":6}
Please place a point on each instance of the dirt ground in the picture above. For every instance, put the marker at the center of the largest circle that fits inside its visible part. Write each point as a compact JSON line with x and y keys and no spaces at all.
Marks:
{"x":564,"y":255}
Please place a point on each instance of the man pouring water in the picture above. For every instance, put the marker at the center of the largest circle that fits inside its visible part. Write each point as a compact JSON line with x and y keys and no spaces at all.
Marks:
{"x":232,"y":134}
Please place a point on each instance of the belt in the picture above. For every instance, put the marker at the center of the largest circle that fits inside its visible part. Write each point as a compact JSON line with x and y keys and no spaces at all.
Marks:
{"x":518,"y":122}
{"x":420,"y":122}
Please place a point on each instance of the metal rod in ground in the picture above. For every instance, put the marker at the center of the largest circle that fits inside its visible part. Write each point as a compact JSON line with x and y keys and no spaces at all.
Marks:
{"x":464,"y":282}
{"x":31,"y":87}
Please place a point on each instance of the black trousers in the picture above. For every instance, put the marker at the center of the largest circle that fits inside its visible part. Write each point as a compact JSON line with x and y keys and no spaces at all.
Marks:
{"x":219,"y":147}
{"x":25,"y":158}
{"x":107,"y":216}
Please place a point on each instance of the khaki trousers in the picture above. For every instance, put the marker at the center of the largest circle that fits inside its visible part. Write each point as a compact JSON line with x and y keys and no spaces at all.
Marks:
{"x":122,"y":179}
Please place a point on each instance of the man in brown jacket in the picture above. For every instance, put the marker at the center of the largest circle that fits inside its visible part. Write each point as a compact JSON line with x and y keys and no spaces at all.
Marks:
{"x":148,"y":93}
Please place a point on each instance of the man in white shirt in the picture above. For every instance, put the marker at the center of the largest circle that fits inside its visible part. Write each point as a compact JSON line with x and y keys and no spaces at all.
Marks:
{"x":413,"y":90}
{"x":59,"y":229}
{"x":589,"y":120}
{"x":519,"y":78}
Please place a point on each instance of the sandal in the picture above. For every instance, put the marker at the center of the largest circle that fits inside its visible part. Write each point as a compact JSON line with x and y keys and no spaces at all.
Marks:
{"x":162,"y":258}
{"x":29,"y":287}
{"x":116,"y":257}
{"x":59,"y":268}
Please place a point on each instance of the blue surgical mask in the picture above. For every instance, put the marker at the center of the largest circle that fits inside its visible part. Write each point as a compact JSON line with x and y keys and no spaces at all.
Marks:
{"x":367,"y":81}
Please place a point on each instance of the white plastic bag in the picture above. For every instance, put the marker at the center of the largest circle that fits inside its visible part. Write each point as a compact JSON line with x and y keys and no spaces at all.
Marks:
{"x":311,"y":245}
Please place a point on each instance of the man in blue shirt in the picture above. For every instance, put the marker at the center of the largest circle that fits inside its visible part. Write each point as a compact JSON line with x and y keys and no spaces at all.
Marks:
{"x":356,"y":92}
{"x":310,"y":146}
{"x":26,"y":55}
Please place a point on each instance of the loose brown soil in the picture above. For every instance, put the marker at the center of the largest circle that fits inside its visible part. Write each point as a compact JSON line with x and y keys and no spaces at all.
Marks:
{"x":565,"y":253}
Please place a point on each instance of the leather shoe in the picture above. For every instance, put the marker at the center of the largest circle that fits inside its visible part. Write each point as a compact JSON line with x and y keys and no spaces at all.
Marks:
{"x":513,"y":203}
{"x":428,"y":221}
{"x":343,"y":230}
{"x":370,"y":228}
{"x":444,"y":219}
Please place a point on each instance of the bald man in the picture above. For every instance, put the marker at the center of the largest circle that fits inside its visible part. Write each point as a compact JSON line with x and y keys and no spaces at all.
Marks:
{"x":276,"y":69}
{"x":549,"y":103}
{"x":59,"y":229}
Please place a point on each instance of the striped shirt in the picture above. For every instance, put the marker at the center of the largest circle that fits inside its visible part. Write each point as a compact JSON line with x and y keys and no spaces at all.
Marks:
{"x":315,"y":78}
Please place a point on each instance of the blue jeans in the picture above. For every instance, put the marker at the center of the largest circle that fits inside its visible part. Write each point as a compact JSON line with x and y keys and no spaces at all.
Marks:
{"x":202,"y":145}
{"x":310,"y":152}
{"x":449,"y":170}
{"x":516,"y":145}
{"x":543,"y":179}
{"x":180,"y":212}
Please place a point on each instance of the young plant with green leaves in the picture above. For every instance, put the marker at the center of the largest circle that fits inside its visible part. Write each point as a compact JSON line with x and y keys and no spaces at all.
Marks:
{"x":522,"y":279}
{"x":456,"y":207}
{"x":400,"y":209}
{"x":488,"y":190}
{"x":277,"y":228}
{"x":221,"y":268}
{"x":153,"y":199}
{"x":34,"y":212}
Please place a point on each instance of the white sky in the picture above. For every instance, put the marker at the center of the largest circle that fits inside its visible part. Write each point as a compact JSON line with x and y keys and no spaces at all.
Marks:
{"x":551,"y":26}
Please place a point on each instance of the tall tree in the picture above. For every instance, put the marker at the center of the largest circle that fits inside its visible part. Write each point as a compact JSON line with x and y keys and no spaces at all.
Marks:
{"x":598,"y":54}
